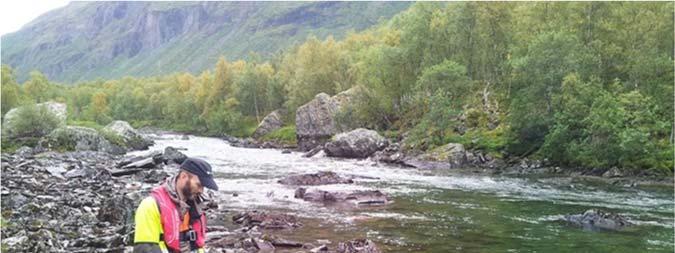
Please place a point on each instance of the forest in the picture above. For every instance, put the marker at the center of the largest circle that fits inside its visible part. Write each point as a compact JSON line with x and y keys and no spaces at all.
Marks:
{"x":581,"y":84}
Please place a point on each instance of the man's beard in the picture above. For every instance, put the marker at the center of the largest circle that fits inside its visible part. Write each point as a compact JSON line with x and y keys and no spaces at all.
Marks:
{"x":187,"y":193}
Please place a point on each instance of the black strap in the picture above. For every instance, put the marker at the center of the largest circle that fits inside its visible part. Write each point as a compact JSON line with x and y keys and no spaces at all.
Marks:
{"x":188,"y":235}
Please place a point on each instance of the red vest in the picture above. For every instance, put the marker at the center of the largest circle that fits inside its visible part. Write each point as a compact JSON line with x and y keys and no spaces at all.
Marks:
{"x":171,"y":221}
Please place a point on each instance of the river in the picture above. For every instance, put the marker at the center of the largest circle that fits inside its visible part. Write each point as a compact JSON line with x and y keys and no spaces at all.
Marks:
{"x":437,"y":211}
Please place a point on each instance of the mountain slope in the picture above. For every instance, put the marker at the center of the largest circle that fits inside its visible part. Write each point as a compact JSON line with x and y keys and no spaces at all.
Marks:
{"x":89,"y":40}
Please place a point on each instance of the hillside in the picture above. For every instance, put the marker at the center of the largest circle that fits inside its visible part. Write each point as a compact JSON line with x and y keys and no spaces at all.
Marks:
{"x":91,"y":40}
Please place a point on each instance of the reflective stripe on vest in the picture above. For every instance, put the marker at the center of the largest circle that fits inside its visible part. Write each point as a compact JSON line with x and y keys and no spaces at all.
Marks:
{"x":171,"y":221}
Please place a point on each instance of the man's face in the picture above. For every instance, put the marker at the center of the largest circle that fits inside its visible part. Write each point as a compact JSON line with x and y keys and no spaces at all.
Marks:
{"x":192,"y":187}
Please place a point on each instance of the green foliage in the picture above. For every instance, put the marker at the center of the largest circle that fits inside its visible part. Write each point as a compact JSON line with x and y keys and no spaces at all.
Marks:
{"x":583,"y":84}
{"x":29,"y":123}
{"x":285,"y":135}
{"x":10,"y":90}
{"x":439,"y":122}
{"x":599,"y":128}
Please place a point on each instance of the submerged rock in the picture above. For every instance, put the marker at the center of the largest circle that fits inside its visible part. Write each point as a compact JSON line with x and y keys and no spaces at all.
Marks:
{"x":266,"y":220}
{"x":356,"y":198}
{"x":358,"y":246}
{"x":597,"y":219}
{"x":358,"y":143}
{"x":320,"y":178}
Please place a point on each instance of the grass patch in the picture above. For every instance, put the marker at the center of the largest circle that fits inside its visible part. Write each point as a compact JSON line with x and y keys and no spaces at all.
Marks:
{"x":284,"y":135}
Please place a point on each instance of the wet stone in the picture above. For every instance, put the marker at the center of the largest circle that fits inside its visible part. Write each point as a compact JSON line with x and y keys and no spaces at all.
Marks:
{"x":320,"y":178}
{"x":266,"y":220}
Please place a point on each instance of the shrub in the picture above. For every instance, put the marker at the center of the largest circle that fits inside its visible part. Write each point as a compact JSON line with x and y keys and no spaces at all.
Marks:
{"x":29,"y":124}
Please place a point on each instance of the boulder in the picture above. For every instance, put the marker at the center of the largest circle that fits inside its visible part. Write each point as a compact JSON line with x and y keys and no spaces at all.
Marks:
{"x":268,"y":124}
{"x":359,"y":143}
{"x":597,"y":219}
{"x":131,"y":137}
{"x":80,"y":139}
{"x":451,"y":155}
{"x":9,"y":124}
{"x":320,"y":178}
{"x":316,"y":121}
{"x":172,"y":154}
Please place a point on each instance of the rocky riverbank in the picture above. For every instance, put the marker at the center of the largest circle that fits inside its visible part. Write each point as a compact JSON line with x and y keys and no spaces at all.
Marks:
{"x":84,"y":201}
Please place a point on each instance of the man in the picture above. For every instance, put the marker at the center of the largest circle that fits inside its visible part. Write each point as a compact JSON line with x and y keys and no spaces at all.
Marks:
{"x":171,"y":219}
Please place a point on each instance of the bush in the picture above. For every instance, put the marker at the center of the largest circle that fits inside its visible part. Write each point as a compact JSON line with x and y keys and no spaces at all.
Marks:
{"x":30,"y":122}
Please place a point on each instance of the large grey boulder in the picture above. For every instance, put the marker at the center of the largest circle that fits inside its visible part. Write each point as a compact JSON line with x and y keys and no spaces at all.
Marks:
{"x":358,"y":143}
{"x":9,"y":124}
{"x":316,"y":121}
{"x":271,"y":122}
{"x":80,"y":139}
{"x":131,"y":137}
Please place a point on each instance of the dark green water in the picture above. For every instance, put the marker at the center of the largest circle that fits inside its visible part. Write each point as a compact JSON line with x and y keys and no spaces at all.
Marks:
{"x":439,"y":211}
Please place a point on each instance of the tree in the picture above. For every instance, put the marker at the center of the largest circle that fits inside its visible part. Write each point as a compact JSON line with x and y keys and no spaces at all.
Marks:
{"x":10,"y":90}
{"x":37,"y":87}
{"x":98,"y":109}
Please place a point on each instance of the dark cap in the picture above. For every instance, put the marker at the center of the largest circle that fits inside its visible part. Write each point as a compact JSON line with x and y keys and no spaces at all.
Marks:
{"x":201,"y":169}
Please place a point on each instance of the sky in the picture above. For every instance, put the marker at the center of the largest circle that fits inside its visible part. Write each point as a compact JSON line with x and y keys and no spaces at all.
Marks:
{"x":16,"y":13}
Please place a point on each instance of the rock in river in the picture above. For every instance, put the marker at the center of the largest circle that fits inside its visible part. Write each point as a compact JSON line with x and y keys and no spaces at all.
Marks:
{"x":358,"y":143}
{"x":266,"y":220}
{"x":320,"y":178}
{"x":356,"y":198}
{"x":597,"y":219}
